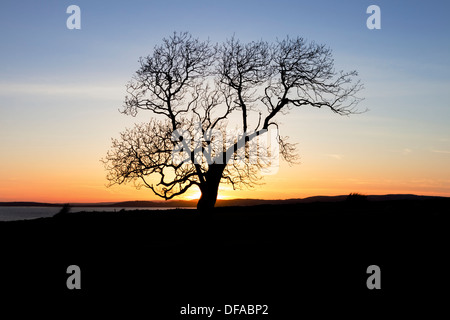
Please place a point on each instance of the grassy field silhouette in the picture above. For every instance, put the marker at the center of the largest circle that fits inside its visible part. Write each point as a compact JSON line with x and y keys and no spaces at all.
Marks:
{"x":293,"y":257}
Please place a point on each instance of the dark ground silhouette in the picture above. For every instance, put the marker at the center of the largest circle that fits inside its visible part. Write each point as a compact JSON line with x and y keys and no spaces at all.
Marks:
{"x":298,"y":258}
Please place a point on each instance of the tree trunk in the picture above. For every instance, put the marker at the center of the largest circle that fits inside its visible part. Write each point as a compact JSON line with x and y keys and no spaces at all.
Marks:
{"x":210,"y":188}
{"x":207,"y":199}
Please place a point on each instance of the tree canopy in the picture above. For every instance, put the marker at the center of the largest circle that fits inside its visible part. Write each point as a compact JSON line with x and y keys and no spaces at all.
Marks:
{"x":196,"y":89}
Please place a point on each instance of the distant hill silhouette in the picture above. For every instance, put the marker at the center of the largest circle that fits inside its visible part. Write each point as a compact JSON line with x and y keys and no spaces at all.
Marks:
{"x":221,"y":203}
{"x":28,"y":204}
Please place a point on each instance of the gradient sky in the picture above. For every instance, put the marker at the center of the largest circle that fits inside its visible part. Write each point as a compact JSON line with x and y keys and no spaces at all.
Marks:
{"x":60,"y":91}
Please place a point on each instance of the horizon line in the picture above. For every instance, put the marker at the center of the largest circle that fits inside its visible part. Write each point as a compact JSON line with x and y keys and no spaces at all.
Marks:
{"x":220,"y":200}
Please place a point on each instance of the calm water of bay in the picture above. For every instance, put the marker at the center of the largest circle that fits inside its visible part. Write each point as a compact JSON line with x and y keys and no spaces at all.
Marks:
{"x":26,"y":213}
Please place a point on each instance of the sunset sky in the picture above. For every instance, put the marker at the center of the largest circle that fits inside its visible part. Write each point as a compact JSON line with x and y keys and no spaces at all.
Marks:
{"x":60,"y":91}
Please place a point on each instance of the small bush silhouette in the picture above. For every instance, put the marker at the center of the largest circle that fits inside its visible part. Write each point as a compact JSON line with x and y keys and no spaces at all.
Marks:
{"x":355,"y":197}
{"x":65,"y":209}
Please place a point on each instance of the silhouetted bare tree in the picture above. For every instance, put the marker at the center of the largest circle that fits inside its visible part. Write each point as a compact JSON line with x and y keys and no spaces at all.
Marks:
{"x":195,"y":89}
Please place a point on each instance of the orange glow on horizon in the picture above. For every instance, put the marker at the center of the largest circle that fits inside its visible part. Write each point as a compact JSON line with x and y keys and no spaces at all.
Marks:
{"x":197,"y":194}
{"x":294,"y":182}
{"x":83,"y":180}
{"x":146,"y":195}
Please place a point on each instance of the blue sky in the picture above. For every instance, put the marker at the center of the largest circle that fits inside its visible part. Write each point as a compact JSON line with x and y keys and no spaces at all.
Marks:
{"x":35,"y":38}
{"x":60,"y":89}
